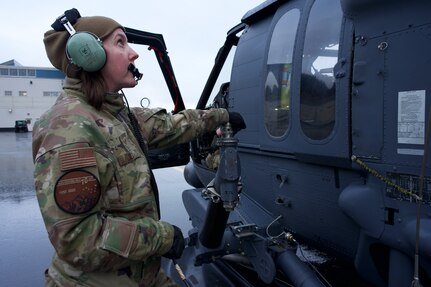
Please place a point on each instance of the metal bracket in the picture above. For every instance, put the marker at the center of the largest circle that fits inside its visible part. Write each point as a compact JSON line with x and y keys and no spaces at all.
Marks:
{"x":246,"y":230}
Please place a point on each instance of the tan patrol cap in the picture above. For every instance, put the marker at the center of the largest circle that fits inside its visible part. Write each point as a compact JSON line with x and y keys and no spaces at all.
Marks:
{"x":55,"y":40}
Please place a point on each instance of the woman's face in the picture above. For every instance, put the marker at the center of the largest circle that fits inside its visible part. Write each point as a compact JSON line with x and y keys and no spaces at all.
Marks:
{"x":118,"y":57}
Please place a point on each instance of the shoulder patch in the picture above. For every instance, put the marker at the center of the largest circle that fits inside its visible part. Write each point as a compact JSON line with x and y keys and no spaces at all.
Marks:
{"x":77,"y":158}
{"x":77,"y":191}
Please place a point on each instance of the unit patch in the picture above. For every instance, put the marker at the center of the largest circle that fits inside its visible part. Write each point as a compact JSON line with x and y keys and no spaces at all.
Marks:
{"x":77,"y":191}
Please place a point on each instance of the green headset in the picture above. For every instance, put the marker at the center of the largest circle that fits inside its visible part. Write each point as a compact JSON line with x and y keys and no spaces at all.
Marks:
{"x":83,"y":49}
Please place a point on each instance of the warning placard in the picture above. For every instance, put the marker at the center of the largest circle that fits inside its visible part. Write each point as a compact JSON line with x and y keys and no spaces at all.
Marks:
{"x":411,"y":117}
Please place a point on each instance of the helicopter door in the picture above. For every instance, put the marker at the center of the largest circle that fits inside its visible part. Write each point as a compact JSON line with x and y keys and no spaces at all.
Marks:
{"x":391,"y":84}
{"x":306,"y":103}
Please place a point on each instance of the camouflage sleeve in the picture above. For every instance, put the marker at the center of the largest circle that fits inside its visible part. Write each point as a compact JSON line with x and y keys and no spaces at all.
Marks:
{"x":81,"y":228}
{"x":162,"y":129}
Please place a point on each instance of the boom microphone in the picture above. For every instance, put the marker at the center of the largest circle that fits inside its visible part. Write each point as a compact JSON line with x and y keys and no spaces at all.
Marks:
{"x":135,"y":72}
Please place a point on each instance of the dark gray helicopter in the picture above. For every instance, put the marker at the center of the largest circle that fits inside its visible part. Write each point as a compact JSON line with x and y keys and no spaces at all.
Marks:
{"x":335,"y":156}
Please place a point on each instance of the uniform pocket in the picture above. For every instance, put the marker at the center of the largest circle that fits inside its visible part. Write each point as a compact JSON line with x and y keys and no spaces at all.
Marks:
{"x":124,"y":150}
{"x":118,"y":236}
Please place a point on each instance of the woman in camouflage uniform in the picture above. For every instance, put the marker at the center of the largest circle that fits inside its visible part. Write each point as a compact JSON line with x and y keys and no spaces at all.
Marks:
{"x":93,"y":182}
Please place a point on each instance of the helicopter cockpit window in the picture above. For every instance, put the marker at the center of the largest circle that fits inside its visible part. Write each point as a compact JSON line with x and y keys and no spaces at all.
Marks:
{"x":317,"y":109}
{"x":279,"y":68}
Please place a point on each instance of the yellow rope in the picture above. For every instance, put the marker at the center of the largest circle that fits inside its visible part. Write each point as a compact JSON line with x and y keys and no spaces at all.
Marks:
{"x":384,"y":179}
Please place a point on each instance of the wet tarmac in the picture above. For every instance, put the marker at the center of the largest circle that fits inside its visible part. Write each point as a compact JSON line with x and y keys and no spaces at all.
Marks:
{"x":25,"y":251}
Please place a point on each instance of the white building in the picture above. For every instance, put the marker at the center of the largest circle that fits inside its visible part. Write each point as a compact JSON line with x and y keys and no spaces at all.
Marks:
{"x":26,"y":92}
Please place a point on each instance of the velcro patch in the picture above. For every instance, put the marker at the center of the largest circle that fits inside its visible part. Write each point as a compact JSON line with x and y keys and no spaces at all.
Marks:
{"x":77,"y":191}
{"x":118,"y":236}
{"x":77,"y":158}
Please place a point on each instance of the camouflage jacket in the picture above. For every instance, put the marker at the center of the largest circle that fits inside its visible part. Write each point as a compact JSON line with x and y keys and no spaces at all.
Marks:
{"x":93,"y":185}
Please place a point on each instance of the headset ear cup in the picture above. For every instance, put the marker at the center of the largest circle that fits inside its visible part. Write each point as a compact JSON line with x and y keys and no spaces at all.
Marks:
{"x":86,"y":51}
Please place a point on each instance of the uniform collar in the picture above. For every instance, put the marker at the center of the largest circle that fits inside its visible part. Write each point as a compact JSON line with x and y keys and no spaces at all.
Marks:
{"x":72,"y":83}
{"x":113,"y":103}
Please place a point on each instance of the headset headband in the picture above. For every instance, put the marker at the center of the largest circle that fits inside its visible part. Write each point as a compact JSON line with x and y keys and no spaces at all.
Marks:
{"x":67,"y":19}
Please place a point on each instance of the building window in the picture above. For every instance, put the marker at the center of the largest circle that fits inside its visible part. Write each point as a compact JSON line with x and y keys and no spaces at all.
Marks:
{"x":4,"y":72}
{"x":31,"y":72}
{"x":22,"y":72}
{"x":13,"y":72}
{"x":317,"y":103}
{"x":8,"y":93}
{"x":279,"y":70}
{"x":51,"y":94}
{"x":23,"y":93}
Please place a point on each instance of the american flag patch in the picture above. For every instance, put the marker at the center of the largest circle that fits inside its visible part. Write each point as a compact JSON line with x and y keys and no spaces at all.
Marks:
{"x":77,"y":158}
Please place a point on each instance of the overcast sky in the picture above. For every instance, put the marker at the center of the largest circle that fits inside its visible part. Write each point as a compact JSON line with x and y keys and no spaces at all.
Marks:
{"x":193,"y":30}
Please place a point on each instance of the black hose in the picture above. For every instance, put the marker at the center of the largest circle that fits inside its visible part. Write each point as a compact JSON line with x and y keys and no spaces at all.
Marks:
{"x":297,"y":271}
